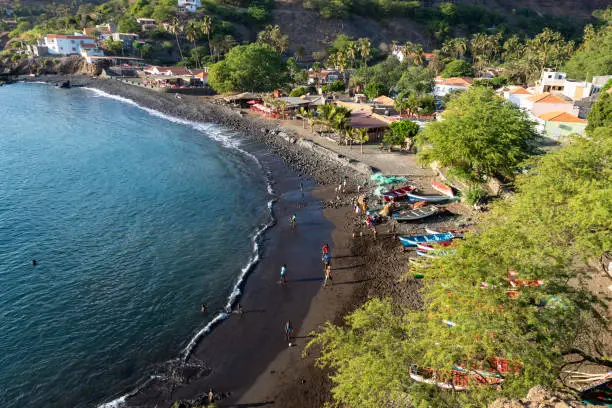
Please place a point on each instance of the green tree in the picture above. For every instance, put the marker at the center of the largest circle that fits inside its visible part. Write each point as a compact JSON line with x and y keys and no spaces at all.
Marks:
{"x":416,"y":79}
{"x":375,"y":89}
{"x":273,"y":37}
{"x":482,"y":135}
{"x":594,"y":57}
{"x":253,"y":67}
{"x":206,"y":26}
{"x":458,"y":68}
{"x":400,"y":133}
{"x":361,"y":136}
{"x":176,"y":28}
{"x":258,"y":14}
{"x":601,"y":113}
{"x":128,"y":24}
{"x":113,"y":47}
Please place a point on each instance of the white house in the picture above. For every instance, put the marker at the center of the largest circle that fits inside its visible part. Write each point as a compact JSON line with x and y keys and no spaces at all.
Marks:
{"x":517,"y":95}
{"x":189,"y":5}
{"x":444,"y":86}
{"x":326,"y":76}
{"x":67,"y":44}
{"x":551,"y":81}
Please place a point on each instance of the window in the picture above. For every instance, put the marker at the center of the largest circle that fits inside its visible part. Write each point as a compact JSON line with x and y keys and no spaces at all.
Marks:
{"x":550,"y":76}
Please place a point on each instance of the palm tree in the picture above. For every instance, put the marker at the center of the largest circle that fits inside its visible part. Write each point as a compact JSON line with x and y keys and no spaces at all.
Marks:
{"x":176,"y":28}
{"x":191,"y":33}
{"x":419,"y":55}
{"x":361,"y":136}
{"x":461,"y":46}
{"x":351,"y":52}
{"x":206,"y":26}
{"x":365,"y":48}
{"x":316,"y":68}
{"x":307,"y":116}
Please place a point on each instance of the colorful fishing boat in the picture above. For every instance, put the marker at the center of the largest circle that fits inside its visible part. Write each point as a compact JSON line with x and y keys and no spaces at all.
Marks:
{"x":398,"y":193}
{"x":414,"y":240}
{"x":430,"y":198}
{"x":443,"y":189}
{"x":429,"y":247}
{"x":416,"y":214}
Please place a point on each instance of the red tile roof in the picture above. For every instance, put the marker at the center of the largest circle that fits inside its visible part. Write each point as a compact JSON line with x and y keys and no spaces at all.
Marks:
{"x":520,"y":91}
{"x":546,"y":98}
{"x":454,"y":81}
{"x":561,"y":117}
{"x":70,"y":37}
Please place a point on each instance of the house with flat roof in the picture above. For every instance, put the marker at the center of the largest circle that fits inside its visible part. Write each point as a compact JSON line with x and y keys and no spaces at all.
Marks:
{"x":189,"y":6}
{"x":67,"y":44}
{"x":559,"y":125}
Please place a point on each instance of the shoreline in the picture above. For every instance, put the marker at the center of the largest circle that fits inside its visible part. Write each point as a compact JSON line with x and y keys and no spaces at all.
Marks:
{"x":299,"y":161}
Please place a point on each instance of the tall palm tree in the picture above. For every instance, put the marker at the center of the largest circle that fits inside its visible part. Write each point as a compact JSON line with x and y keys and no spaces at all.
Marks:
{"x":418,"y":55}
{"x":365,"y":48}
{"x":206,"y":26}
{"x":461,"y":46}
{"x":361,"y":136}
{"x":191,"y":33}
{"x":307,"y":116}
{"x":176,"y":28}
{"x":351,"y":53}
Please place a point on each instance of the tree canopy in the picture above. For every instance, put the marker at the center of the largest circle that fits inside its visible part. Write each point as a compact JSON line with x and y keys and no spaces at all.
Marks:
{"x":560,"y":216}
{"x":253,"y":67}
{"x":457,"y":68}
{"x":481,"y":135}
{"x":594,"y":57}
{"x":398,"y":131}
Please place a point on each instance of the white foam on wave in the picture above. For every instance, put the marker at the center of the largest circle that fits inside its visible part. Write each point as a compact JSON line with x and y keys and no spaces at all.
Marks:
{"x":227,"y":140}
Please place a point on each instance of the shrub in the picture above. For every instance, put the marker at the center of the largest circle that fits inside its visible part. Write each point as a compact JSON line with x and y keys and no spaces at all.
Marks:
{"x":337,"y":86}
{"x":475,"y":195}
{"x":457,"y":68}
{"x":298,"y":91}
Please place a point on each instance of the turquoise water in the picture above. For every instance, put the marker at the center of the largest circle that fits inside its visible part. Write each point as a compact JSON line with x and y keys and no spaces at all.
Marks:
{"x":134,"y":221}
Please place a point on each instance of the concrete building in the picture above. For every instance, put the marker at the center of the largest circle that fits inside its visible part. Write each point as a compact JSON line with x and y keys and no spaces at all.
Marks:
{"x":559,"y":125}
{"x":517,"y":95}
{"x":189,"y":5}
{"x":551,"y":81}
{"x":540,"y":104}
{"x":67,"y":44}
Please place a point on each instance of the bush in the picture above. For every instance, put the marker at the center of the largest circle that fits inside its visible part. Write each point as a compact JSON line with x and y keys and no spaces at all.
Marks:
{"x":337,"y":86}
{"x":257,"y":14}
{"x":475,"y":195}
{"x":300,"y":91}
{"x":374,"y":90}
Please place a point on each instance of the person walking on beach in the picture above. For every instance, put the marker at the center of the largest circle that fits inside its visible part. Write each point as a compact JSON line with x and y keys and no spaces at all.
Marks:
{"x":328,"y":276}
{"x":325,"y":260}
{"x":288,"y":330}
{"x":292,"y":221}
{"x":283,"y":274}
{"x":325,"y":249}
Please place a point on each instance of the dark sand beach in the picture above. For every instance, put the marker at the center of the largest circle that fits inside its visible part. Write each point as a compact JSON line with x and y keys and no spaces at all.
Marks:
{"x":245,"y":359}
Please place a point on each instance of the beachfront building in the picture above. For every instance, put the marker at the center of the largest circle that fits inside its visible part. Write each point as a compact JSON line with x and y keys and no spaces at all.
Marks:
{"x":444,"y":86}
{"x":173,"y":77}
{"x":189,"y":5}
{"x":67,"y":44}
{"x":546,"y":102}
{"x":559,"y":125}
{"x":90,"y":50}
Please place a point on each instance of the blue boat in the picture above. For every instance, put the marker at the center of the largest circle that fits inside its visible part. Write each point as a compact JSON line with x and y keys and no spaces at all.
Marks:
{"x":430,"y":198}
{"x":414,"y":240}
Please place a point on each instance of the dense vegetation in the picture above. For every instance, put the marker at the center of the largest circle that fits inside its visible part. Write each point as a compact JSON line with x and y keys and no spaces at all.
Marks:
{"x":560,"y":216}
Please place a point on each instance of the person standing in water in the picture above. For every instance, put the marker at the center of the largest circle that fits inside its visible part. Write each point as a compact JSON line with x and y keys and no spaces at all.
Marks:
{"x":283,"y":274}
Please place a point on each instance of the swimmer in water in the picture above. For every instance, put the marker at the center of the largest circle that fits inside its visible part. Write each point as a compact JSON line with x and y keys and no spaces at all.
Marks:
{"x":34,"y":262}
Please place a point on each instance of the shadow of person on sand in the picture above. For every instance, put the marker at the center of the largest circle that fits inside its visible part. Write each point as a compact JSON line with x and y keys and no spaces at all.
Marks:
{"x":252,"y":405}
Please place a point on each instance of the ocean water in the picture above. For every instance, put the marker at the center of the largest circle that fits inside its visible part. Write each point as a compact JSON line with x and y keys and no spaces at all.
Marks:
{"x":134,"y":220}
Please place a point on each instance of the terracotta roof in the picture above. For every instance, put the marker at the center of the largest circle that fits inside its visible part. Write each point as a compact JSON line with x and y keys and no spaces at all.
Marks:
{"x":520,"y":91}
{"x":384,"y":100}
{"x":546,"y":98}
{"x":70,"y":37}
{"x":561,"y":117}
{"x":454,"y":81}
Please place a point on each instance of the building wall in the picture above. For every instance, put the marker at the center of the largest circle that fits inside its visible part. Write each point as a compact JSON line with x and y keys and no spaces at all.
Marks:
{"x":66,"y":45}
{"x":443,"y":90}
{"x":540,"y":108}
{"x":559,"y":131}
{"x":517,"y":99}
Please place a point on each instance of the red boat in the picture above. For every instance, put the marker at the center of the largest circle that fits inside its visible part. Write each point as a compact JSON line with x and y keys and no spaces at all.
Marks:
{"x":398,"y":193}
{"x":443,"y":189}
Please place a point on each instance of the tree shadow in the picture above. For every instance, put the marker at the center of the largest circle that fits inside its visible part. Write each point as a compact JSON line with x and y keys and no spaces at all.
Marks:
{"x":353,"y":281}
{"x":252,"y":405}
{"x":348,"y":267}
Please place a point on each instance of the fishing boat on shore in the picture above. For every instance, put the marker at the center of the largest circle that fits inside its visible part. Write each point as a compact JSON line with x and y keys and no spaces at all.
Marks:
{"x":429,"y":198}
{"x":443,"y":189}
{"x":426,"y":247}
{"x":398,"y":193}
{"x":414,"y":240}
{"x":416,"y":214}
